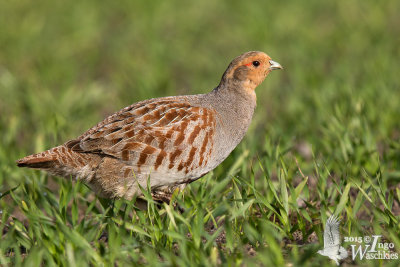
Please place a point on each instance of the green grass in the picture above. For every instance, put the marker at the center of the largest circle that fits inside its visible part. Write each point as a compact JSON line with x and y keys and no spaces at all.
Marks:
{"x":325,"y":137}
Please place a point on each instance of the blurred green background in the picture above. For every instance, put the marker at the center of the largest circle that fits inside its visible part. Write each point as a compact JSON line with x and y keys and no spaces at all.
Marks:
{"x":65,"y":65}
{"x":68,"y":65}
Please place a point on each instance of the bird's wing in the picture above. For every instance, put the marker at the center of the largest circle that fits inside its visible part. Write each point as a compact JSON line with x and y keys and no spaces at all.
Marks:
{"x":331,"y":233}
{"x":148,"y":132}
{"x":343,"y":253}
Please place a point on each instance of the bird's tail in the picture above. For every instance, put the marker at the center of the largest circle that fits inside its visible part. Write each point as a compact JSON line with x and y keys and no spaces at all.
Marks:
{"x":60,"y":160}
{"x":44,"y":160}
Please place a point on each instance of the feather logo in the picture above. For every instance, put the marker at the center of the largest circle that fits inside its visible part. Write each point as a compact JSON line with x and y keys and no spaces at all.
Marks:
{"x":332,"y":247}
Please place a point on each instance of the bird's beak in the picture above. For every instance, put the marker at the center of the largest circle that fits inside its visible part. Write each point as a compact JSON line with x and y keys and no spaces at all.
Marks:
{"x":275,"y":65}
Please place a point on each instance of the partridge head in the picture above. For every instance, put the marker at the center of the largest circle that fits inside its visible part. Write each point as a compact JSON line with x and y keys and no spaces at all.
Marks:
{"x":166,"y":142}
{"x":249,"y":70}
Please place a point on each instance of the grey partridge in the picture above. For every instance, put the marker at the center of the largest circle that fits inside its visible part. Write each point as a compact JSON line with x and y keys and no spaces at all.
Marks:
{"x":168,"y":141}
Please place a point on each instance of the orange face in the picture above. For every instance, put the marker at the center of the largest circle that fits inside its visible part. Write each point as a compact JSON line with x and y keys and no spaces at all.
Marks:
{"x":251,"y":68}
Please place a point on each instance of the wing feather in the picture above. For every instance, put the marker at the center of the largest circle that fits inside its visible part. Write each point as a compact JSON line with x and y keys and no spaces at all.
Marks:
{"x":146,"y":133}
{"x":331,"y":232}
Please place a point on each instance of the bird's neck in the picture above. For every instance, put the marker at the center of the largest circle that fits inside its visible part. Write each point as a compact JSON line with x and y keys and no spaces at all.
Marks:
{"x":243,"y":90}
{"x":235,"y":107}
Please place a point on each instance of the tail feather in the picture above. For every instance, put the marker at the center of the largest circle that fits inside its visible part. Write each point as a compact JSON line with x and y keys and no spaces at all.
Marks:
{"x":43,"y":160}
{"x":62,"y":161}
{"x":41,"y":163}
{"x":56,"y":161}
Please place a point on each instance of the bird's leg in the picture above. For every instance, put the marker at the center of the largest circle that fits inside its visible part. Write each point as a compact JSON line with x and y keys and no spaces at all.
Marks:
{"x":161,"y":197}
{"x":165,"y":195}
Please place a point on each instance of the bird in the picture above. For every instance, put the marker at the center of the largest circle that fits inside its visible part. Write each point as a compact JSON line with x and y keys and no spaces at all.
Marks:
{"x":332,"y":248}
{"x":162,"y":143}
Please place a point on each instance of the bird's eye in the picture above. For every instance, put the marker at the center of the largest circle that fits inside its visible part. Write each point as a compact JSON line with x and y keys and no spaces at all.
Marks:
{"x":256,"y":63}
